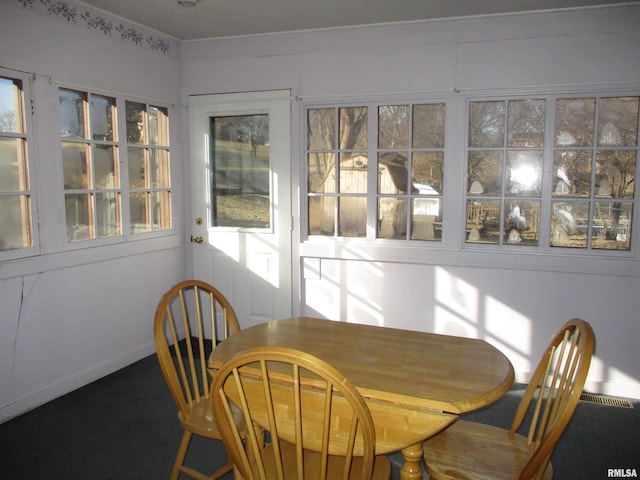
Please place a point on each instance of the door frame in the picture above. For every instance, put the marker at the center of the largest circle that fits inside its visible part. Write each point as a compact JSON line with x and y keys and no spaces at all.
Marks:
{"x":203,"y":107}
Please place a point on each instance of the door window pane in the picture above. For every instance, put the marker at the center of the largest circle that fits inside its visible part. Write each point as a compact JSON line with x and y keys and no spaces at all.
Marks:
{"x":240,"y":187}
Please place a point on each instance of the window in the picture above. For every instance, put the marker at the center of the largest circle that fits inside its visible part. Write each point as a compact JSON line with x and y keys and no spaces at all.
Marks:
{"x":93,"y":154}
{"x":594,"y":170}
{"x":338,"y":169}
{"x":16,"y":233}
{"x":399,"y":195}
{"x":585,"y":202}
{"x":546,"y":173}
{"x":91,"y":165}
{"x":149,"y":168}
{"x":410,"y":171}
{"x":504,"y":165}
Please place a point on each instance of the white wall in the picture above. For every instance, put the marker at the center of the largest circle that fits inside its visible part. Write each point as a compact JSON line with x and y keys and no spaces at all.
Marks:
{"x":515,"y":301}
{"x":67,"y":318}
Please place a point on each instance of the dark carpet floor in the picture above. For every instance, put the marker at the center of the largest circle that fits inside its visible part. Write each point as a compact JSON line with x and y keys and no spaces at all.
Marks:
{"x":124,"y":426}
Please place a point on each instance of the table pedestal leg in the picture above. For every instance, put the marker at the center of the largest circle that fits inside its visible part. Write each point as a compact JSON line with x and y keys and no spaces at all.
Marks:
{"x":411,"y":467}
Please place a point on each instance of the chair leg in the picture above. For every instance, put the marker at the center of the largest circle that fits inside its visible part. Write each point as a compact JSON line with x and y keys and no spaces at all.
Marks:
{"x":222,"y":471}
{"x":182,"y":452}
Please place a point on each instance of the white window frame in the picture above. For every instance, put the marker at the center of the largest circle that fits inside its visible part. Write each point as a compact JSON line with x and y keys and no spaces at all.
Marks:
{"x":453,"y":250}
{"x":127,"y":236}
{"x":30,"y":152}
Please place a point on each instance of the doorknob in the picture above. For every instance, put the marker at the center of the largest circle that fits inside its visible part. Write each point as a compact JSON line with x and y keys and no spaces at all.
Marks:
{"x":197,"y":239}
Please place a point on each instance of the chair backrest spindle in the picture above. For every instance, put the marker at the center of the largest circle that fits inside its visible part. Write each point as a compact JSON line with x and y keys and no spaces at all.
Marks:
{"x":305,"y":405}
{"x":556,"y":386}
{"x":186,"y":333}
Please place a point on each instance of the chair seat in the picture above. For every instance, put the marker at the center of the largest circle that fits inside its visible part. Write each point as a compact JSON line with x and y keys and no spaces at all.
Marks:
{"x":202,"y":422}
{"x":469,"y":450}
{"x":381,"y":468}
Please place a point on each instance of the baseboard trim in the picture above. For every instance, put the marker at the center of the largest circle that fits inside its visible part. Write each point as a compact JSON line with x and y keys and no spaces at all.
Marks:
{"x":36,"y":399}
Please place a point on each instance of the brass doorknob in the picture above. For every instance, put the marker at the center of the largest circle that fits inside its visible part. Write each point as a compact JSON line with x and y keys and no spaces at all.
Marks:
{"x":197,"y":239}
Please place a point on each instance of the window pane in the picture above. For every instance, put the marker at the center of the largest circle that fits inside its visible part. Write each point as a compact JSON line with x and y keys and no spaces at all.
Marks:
{"x":322,"y":215}
{"x":105,"y":165}
{"x":159,"y":159}
{"x":321,"y":129}
{"x":611,"y":228}
{"x":618,"y":122}
{"x":152,"y":115}
{"x":135,"y":117}
{"x":615,"y":173}
{"x":486,"y":124}
{"x":15,"y":215}
{"x":13,"y":165}
{"x":427,"y":173}
{"x":75,"y":162}
{"x":521,"y":222}
{"x":103,"y":118}
{"x":393,"y":174}
{"x":426,"y":221}
{"x":241,"y":171}
{"x":79,"y":219}
{"x":73,"y":114}
{"x":352,"y":216}
{"x":107,"y":214}
{"x":392,"y":218}
{"x":572,"y":173}
{"x":138,"y":177}
{"x":11,"y":119}
{"x":485,"y":173}
{"x":353,"y":128}
{"x":526,"y":123}
{"x":574,"y":122}
{"x":483,"y":221}
{"x":321,"y":172}
{"x":158,"y":126}
{"x":393,"y":126}
{"x":139,"y":212}
{"x":353,"y":172}
{"x":524,"y":173}
{"x":428,"y":125}
{"x":161,"y":207}
{"x":569,"y":224}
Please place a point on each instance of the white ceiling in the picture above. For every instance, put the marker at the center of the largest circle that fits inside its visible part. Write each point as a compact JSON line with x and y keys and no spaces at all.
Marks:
{"x":222,"y":18}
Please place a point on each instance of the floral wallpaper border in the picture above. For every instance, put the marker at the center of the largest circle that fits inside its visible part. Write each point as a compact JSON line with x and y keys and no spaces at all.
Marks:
{"x":81,"y":15}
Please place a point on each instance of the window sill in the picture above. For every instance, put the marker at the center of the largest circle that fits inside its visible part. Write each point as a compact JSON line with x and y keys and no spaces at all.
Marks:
{"x":437,"y":254}
{"x":72,"y":258}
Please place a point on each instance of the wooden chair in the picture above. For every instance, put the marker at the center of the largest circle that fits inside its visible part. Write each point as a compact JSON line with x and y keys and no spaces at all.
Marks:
{"x":319,"y":425}
{"x":186,"y":329}
{"x":469,"y":450}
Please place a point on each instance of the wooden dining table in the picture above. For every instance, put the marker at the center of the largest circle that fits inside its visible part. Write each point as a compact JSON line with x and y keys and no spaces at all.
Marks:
{"x":415,"y":383}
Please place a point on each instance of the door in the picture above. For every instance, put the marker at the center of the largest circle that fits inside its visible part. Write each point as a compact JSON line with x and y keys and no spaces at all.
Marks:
{"x":241,"y":200}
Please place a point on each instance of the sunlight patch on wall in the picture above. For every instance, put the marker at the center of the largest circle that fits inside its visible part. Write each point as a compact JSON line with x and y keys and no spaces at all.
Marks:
{"x":510,"y":331}
{"x":459,"y":305}
{"x":448,"y":323}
